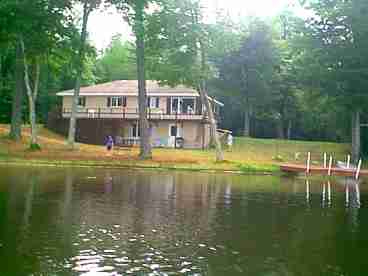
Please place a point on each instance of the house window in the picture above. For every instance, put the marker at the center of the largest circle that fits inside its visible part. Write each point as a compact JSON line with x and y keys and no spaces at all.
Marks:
{"x":173,"y":131}
{"x":188,"y":105}
{"x":183,"y":105}
{"x":175,"y":105}
{"x":82,"y":101}
{"x":153,"y":102}
{"x":135,"y":131}
{"x":116,"y":101}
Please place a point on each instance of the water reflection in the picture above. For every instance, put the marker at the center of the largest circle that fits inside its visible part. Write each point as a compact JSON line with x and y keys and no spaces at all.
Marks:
{"x":29,"y":200}
{"x":110,"y":222}
{"x":329,"y":199}
{"x":351,"y":190}
{"x":307,"y":196}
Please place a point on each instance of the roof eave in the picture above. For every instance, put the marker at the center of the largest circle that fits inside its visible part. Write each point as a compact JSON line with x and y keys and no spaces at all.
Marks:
{"x":166,"y":94}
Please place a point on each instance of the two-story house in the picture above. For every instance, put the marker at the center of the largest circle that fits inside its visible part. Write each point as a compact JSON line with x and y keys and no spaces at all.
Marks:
{"x":112,"y":109}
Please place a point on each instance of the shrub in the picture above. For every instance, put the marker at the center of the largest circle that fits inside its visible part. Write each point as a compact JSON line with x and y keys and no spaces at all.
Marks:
{"x":34,"y":147}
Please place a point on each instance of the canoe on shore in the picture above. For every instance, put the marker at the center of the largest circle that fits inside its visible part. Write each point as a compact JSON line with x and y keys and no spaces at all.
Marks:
{"x":292,"y":168}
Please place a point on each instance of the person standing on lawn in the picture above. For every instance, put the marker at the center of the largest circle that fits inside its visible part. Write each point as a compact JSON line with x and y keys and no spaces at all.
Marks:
{"x":109,"y":143}
{"x":229,"y":141}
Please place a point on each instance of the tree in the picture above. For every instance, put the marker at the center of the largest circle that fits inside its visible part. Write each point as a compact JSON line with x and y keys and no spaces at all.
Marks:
{"x":337,"y":37}
{"x":178,"y":41}
{"x":145,"y":145}
{"x":284,"y":82}
{"x":32,"y":92}
{"x":8,"y":34}
{"x":51,"y":22}
{"x":117,"y":61}
{"x":208,"y":106}
{"x":7,"y":68}
{"x":134,"y":12}
{"x":21,"y":19}
{"x":16,"y":121}
{"x":250,"y":69}
{"x":88,"y":7}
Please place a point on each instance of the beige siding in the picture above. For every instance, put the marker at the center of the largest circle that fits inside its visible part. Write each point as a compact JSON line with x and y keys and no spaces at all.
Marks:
{"x":160,"y":130}
{"x":196,"y":134}
{"x":207,"y":133}
{"x":91,"y":102}
{"x":96,"y":102}
{"x":163,"y":104}
{"x":132,"y":103}
{"x":101,"y":102}
{"x":192,"y":132}
{"x":67,"y":102}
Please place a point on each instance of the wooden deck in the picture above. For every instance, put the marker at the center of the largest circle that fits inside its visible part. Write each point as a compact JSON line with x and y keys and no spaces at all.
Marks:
{"x":292,"y":168}
{"x":133,"y":114}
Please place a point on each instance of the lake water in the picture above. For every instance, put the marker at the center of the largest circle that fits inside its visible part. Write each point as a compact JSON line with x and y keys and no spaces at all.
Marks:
{"x":57,"y":221}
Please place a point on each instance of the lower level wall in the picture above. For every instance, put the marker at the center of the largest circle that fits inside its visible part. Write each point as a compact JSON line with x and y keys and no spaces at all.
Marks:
{"x":195,"y":134}
{"x":89,"y":131}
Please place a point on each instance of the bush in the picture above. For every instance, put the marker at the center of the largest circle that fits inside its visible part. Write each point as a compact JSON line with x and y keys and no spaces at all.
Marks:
{"x":34,"y":147}
{"x":278,"y":158}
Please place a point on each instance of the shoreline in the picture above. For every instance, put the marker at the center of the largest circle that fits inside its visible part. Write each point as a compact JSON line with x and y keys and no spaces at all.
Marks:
{"x":255,"y":170}
{"x":244,"y":169}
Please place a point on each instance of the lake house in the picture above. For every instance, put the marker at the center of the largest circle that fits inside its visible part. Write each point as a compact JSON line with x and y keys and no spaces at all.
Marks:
{"x":176,"y":114}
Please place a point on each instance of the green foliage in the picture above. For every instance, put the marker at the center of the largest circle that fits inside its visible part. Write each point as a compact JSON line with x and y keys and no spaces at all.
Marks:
{"x":117,"y":62}
{"x":58,"y":67}
{"x":334,"y":45}
{"x":278,"y":158}
{"x":248,"y":70}
{"x":34,"y":147}
{"x":172,"y":39}
{"x":6,"y":82}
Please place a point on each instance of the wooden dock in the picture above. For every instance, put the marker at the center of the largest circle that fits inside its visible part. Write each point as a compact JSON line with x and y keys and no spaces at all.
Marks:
{"x":292,"y":168}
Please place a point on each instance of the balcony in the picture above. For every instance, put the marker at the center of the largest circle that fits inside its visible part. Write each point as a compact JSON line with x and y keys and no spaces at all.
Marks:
{"x":132,"y":114}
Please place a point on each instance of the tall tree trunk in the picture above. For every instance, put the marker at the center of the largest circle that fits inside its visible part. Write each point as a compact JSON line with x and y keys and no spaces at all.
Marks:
{"x":204,"y":98}
{"x":145,"y":144}
{"x":280,"y":128}
{"x":247,"y":113}
{"x":80,"y":63}
{"x":32,"y":94}
{"x":355,"y":135}
{"x":16,"y":119}
{"x":32,"y":120}
{"x":289,"y":127}
{"x":213,"y":123}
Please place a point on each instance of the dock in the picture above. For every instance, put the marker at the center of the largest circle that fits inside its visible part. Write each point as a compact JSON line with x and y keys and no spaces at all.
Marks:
{"x":337,"y":171}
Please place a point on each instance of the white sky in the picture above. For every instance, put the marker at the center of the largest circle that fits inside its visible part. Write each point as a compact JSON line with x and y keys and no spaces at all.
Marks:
{"x":103,"y":25}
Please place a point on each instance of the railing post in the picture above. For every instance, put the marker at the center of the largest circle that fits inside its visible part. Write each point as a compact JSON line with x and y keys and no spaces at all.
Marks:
{"x":358,"y":169}
{"x":330,"y":166}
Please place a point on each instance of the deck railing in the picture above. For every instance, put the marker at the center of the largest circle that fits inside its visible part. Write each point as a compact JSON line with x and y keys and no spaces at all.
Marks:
{"x":132,"y":113}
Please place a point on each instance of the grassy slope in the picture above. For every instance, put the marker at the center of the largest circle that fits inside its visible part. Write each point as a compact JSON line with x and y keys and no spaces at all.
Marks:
{"x":247,"y":154}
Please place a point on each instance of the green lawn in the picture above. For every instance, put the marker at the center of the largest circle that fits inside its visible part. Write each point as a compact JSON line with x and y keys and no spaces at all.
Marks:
{"x":247,"y":154}
{"x":287,"y":151}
